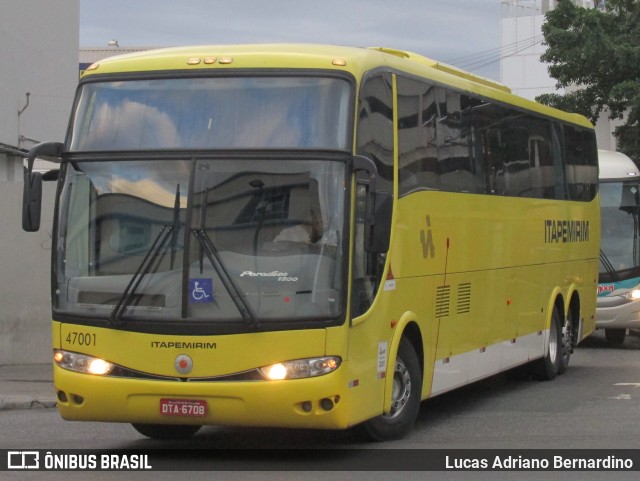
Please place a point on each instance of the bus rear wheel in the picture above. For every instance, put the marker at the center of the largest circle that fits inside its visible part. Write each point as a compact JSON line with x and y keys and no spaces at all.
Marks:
{"x":566,"y":346}
{"x":405,"y":400}
{"x":548,"y":367}
{"x":166,"y":431}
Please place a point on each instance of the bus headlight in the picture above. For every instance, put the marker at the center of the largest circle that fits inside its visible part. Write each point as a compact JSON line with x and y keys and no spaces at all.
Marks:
{"x":301,"y":368}
{"x":82,"y":363}
{"x":633,"y":295}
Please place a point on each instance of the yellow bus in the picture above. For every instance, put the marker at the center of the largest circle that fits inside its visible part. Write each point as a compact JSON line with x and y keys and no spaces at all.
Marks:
{"x":309,"y":236}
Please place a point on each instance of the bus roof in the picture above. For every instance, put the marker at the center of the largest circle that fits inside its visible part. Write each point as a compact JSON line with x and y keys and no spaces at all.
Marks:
{"x":414,"y":57}
{"x":616,"y":165}
{"x":355,"y":60}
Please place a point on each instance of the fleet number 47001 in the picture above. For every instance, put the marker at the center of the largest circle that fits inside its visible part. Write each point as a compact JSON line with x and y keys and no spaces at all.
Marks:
{"x":81,"y":338}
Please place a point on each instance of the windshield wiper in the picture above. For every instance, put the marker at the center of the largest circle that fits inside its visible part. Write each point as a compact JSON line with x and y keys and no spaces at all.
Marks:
{"x":238,"y":299}
{"x":608,"y":266}
{"x":143,"y":269}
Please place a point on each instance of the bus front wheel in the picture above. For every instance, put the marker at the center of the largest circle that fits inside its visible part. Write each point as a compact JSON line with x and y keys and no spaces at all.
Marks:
{"x":405,"y":400}
{"x":166,"y":431}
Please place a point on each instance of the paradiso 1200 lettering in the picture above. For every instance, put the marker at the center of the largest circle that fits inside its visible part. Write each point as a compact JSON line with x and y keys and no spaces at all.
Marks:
{"x":563,"y":231}
{"x":282,"y":276}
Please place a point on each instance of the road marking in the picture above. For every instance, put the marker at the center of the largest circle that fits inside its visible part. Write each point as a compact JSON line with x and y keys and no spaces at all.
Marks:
{"x":621,"y":396}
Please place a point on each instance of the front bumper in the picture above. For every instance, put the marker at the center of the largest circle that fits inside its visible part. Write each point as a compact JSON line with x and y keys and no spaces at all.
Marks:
{"x":300,"y":403}
{"x":617,"y":312}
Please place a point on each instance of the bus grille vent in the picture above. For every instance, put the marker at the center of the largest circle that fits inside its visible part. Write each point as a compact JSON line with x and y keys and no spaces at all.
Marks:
{"x":443,"y":296}
{"x":464,"y":298}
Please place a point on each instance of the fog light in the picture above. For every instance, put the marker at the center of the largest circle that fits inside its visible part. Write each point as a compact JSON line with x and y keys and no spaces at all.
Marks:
{"x":326,"y":404}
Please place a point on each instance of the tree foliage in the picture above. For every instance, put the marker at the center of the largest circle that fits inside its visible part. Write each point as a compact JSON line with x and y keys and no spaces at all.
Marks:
{"x":598,"y":53}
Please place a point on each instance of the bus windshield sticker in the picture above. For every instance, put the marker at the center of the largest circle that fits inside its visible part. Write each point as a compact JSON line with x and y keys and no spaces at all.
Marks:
{"x":200,"y":290}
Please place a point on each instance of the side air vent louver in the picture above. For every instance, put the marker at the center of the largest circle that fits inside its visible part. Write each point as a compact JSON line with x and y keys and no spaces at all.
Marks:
{"x":464,"y":298}
{"x":443,"y":296}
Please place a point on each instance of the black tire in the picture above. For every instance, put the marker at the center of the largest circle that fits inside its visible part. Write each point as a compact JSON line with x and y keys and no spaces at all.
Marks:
{"x":615,"y":336}
{"x":566,"y":346}
{"x":407,"y":394}
{"x":166,"y":431}
{"x":547,"y":368}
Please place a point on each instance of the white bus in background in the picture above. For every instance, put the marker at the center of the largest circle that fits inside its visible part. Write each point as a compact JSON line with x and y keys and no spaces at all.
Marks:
{"x":618,"y":306}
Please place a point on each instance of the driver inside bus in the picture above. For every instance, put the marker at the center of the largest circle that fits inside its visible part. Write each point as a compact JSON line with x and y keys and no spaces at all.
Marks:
{"x":305,"y":233}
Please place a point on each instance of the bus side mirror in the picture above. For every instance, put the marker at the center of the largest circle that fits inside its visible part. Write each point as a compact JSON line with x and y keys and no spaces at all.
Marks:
{"x":378,"y":223}
{"x":32,"y":190}
{"x":31,"y":201}
{"x":378,"y":211}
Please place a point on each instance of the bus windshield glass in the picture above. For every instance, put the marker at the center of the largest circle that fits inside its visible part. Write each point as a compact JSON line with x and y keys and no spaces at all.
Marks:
{"x":208,"y":240}
{"x":213,"y":113}
{"x":620,"y":204}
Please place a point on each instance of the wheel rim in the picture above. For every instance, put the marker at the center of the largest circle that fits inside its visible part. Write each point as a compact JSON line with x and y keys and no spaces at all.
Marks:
{"x":401,"y":390}
{"x":553,"y":342}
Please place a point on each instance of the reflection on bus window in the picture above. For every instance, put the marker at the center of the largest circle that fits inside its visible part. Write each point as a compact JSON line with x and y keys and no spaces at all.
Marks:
{"x":188,"y":113}
{"x":459,"y":143}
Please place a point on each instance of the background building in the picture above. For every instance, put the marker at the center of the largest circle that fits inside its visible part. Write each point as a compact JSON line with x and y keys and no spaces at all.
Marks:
{"x":39,"y":56}
{"x":521,"y":46}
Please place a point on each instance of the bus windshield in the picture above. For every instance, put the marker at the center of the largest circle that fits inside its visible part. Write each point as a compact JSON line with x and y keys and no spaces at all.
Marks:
{"x":620,"y":204}
{"x":205,"y":240}
{"x":213,"y":113}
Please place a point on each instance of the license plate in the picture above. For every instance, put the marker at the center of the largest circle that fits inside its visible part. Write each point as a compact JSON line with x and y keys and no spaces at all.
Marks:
{"x":183,"y":407}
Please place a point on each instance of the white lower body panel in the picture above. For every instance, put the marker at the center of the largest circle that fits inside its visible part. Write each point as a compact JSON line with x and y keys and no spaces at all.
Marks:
{"x":455,"y":371}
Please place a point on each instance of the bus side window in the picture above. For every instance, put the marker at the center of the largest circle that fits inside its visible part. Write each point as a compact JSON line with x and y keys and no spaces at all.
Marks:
{"x":524,"y":156}
{"x":457,"y":172}
{"x":375,"y":127}
{"x":517,"y":166}
{"x":440,"y":146}
{"x":460,"y":143}
{"x":375,"y":141}
{"x":417,"y":148}
{"x":582,"y":163}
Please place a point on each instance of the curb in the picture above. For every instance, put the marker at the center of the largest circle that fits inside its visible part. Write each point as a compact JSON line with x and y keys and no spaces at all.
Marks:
{"x":24,"y":402}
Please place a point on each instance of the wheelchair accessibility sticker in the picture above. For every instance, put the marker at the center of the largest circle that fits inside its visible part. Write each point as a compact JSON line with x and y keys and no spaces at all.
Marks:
{"x":200,"y":290}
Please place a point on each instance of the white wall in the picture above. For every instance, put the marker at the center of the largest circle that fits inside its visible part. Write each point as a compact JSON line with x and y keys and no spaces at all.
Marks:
{"x":25,"y":292}
{"x":38,"y":54}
